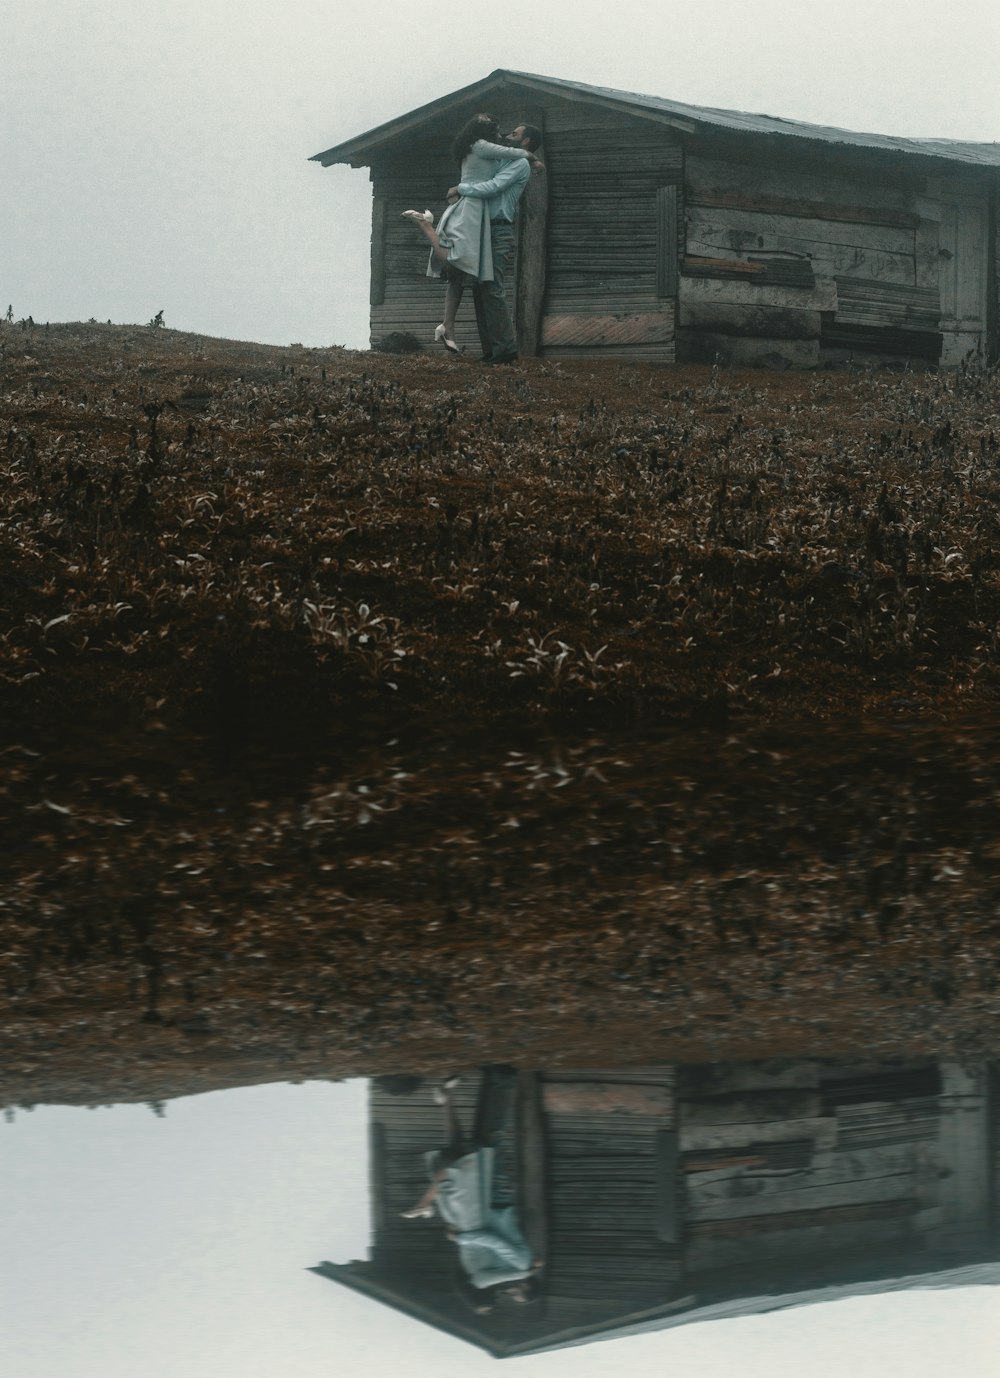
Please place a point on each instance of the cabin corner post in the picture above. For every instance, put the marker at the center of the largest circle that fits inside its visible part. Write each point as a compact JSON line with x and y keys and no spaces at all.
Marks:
{"x":667,"y":241}
{"x":964,"y":1149}
{"x":530,"y":292}
{"x":379,"y":216}
{"x":993,"y":272}
{"x":377,"y":1182}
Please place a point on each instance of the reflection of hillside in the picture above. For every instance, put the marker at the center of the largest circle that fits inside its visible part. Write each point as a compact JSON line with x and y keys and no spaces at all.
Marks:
{"x":673,"y":1194}
{"x":680,"y":900}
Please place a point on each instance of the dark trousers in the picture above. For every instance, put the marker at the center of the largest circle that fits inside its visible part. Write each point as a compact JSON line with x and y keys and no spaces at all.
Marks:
{"x":493,"y":1108}
{"x":496,"y":331}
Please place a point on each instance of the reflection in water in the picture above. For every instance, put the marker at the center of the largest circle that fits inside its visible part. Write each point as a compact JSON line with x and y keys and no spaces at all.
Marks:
{"x":676,"y":899}
{"x":531,"y":1210}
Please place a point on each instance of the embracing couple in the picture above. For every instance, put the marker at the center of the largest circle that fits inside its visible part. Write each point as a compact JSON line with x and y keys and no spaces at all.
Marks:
{"x":494,"y":1258}
{"x":473,"y":243}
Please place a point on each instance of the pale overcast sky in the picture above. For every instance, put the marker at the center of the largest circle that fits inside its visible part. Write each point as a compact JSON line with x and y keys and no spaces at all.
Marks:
{"x":137,"y":1247}
{"x":154,"y":151}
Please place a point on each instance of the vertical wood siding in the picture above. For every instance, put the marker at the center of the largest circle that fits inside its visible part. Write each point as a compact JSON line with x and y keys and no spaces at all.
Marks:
{"x":959,"y":205}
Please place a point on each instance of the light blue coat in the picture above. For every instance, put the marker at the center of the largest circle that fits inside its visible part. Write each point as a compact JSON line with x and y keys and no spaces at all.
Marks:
{"x":464,"y":228}
{"x":490,"y":1244}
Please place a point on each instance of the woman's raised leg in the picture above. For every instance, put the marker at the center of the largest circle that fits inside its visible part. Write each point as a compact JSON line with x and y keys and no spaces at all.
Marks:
{"x":426,"y":226}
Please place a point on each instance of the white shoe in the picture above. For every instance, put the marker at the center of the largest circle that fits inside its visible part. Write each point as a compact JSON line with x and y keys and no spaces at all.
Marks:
{"x":440,"y":1093}
{"x":442,"y":336}
{"x":418,"y":215}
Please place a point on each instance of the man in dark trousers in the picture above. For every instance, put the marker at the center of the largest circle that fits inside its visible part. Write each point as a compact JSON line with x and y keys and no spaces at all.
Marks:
{"x":501,"y":193}
{"x":464,"y":1191}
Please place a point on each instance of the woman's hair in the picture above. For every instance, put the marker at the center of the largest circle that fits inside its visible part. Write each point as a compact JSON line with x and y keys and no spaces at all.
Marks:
{"x":398,"y":1084}
{"x":479,"y":127}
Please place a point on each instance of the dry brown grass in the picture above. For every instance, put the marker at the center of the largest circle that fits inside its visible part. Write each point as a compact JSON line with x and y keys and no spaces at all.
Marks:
{"x":366,"y":711}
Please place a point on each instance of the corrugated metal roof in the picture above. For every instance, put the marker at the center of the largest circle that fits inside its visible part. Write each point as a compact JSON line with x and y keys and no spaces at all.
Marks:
{"x":953,"y":150}
{"x":980,"y":154}
{"x":972,"y":1275}
{"x":361,"y":1278}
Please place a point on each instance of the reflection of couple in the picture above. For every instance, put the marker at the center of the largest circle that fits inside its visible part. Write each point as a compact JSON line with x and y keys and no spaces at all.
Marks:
{"x":492,"y":1251}
{"x":473,"y":244}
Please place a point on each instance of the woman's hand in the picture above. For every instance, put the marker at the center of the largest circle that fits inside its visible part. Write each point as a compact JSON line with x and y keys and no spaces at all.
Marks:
{"x":536,"y":164}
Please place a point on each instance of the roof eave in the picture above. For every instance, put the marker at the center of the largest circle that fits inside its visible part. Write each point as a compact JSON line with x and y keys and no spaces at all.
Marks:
{"x":356,"y":151}
{"x":359,"y":150}
{"x":622,"y":104}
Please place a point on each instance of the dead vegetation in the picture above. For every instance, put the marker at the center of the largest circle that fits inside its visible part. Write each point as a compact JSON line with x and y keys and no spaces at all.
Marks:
{"x":213,"y":534}
{"x":362,"y":708}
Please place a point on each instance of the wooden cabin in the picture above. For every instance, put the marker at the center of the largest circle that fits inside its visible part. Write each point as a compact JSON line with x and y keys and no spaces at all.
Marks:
{"x":665,"y":232}
{"x":660,"y":1195}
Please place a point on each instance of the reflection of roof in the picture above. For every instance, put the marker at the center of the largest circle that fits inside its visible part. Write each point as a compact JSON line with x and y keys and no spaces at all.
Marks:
{"x":503,"y":1337}
{"x":362,"y":1278}
{"x":975,"y":1275}
{"x":688,"y":117}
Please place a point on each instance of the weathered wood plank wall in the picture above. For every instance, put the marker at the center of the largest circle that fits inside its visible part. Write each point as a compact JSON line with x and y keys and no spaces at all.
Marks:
{"x":893,"y":1154}
{"x":409,"y":301}
{"x":612,"y":246}
{"x":608,"y":1249}
{"x":959,"y":206}
{"x":897,"y":260}
{"x":963,"y":1148}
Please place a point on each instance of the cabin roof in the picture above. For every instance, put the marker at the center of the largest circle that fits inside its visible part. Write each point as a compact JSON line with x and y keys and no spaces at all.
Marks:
{"x":360,"y":1277}
{"x":359,"y":150}
{"x":972,"y":1275}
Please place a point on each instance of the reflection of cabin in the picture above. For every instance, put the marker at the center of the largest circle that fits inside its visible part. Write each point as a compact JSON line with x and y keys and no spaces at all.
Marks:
{"x":666,"y":231}
{"x":677,"y":1194}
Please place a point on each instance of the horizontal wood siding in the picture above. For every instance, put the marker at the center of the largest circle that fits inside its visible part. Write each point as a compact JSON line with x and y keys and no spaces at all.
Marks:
{"x":867,"y":244}
{"x":411,"y":302}
{"x":873,"y":1174}
{"x":613,"y":182}
{"x":609,"y":1239}
{"x":575,"y":329}
{"x":667,"y":241}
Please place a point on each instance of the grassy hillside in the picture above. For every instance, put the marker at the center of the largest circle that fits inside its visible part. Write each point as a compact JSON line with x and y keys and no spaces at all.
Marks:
{"x":363,"y":712}
{"x":240,"y":539}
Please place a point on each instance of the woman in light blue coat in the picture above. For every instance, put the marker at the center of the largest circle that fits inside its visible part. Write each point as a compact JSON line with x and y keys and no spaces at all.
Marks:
{"x":491,"y":1248}
{"x":460,"y":245}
